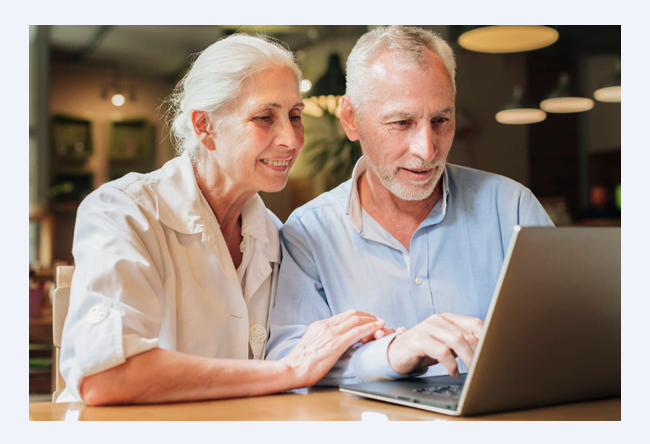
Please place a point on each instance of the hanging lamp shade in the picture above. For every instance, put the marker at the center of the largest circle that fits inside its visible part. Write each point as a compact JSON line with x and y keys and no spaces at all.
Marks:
{"x":610,"y":91}
{"x":507,"y":38}
{"x":520,"y":111}
{"x":327,"y":92}
{"x":563,"y":100}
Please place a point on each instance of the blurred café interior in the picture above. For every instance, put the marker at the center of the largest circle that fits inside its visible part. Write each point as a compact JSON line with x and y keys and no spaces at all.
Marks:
{"x":538,"y":104}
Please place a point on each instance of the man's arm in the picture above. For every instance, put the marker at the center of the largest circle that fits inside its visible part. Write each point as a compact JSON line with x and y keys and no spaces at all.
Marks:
{"x":301,"y":300}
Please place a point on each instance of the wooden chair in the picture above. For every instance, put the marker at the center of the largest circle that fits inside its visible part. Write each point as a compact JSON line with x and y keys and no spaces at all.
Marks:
{"x":59,"y":312}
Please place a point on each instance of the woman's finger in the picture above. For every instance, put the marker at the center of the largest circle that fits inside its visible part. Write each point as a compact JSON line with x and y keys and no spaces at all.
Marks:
{"x":353,"y":321}
{"x":342,"y":317}
{"x":355,"y":334}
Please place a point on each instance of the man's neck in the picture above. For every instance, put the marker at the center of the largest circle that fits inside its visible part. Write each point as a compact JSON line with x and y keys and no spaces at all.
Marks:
{"x":399,"y":217}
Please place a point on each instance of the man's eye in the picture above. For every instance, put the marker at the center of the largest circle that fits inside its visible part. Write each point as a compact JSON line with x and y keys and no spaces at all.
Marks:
{"x":402,"y":122}
{"x":440,"y":119}
{"x":263,"y":118}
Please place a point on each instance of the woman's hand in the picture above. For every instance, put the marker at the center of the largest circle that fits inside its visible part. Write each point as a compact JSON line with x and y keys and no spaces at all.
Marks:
{"x":381,"y":333}
{"x":325,"y":342}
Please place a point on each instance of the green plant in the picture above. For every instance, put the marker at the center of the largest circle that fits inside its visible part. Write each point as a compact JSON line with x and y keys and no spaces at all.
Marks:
{"x":334,"y":153}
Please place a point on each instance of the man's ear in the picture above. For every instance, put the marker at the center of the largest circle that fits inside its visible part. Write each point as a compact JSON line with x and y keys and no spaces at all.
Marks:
{"x":203,"y":129}
{"x":349,"y":119}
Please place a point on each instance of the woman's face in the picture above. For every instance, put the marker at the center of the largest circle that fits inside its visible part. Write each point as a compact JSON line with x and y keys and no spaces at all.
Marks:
{"x":262,"y":134}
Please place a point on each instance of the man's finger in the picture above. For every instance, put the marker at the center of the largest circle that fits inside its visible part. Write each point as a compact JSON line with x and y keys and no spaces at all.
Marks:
{"x":437,"y":351}
{"x":468,"y":323}
{"x":452,"y":337}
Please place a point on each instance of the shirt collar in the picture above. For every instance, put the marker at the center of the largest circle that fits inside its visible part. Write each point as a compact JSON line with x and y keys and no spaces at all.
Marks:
{"x":182,"y":206}
{"x":354,"y":209}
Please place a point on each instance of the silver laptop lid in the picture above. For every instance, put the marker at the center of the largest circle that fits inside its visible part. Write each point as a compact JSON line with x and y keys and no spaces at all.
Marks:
{"x":553,"y":330}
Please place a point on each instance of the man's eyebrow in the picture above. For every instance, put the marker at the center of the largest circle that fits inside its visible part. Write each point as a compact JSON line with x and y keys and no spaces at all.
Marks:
{"x":403,"y":114}
{"x":393,"y":113}
{"x":448,"y":110}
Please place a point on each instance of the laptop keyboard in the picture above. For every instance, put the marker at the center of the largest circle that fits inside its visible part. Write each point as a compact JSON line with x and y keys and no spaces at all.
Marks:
{"x":453,"y":391}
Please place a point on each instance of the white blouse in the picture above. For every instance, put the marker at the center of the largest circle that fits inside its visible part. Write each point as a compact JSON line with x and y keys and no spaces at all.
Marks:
{"x":152,"y":269}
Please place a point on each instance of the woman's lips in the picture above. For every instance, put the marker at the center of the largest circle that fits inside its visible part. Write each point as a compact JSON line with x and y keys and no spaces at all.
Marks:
{"x":276,"y":165}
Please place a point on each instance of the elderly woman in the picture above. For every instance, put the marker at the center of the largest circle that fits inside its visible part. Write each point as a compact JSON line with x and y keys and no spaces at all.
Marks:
{"x":176,"y":269}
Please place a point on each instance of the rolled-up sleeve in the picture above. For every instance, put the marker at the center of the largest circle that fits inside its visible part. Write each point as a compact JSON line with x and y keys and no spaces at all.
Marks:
{"x":117,"y":290}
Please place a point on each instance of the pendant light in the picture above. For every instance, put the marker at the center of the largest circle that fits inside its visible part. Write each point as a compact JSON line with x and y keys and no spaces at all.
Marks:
{"x":610,"y":91}
{"x":563,"y":100}
{"x":507,"y":38}
{"x":520,"y":111}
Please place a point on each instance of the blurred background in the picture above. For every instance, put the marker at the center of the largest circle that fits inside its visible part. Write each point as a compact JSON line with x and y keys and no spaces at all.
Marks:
{"x":540,"y":105}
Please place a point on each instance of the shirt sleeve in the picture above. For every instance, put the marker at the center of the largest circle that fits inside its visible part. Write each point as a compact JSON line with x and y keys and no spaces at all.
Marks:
{"x":300,"y":301}
{"x":116,"y":291}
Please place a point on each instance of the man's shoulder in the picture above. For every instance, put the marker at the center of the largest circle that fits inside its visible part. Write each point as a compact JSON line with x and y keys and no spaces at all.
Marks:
{"x":466,"y":179}
{"x":327,"y":208}
{"x":331,"y":201}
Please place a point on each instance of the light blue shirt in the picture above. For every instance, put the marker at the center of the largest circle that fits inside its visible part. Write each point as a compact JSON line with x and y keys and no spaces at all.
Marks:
{"x":336,"y":257}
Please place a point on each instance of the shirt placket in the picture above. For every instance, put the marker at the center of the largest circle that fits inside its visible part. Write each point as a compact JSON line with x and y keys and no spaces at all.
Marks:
{"x":419,"y":276}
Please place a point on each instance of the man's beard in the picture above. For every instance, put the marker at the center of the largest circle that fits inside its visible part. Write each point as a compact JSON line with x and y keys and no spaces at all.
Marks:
{"x":411,"y":191}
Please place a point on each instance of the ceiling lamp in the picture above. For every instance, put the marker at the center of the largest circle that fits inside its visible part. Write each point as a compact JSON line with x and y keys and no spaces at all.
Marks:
{"x":117,"y":91}
{"x":610,"y":91}
{"x":326,"y":94}
{"x":520,"y":111}
{"x":507,"y":38}
{"x":563,"y":100}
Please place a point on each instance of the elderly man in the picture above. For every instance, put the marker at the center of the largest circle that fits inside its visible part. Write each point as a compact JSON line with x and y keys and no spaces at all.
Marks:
{"x":409,"y":238}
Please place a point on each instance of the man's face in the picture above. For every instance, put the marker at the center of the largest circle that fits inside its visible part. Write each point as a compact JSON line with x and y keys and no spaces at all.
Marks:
{"x":407,"y":127}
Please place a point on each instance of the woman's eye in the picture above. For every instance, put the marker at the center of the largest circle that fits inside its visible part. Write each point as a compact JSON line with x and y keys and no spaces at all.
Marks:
{"x":296,"y":118}
{"x":263,"y":118}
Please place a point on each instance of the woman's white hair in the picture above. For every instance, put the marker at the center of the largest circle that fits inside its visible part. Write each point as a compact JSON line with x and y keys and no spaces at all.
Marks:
{"x":215,"y":79}
{"x":409,"y":46}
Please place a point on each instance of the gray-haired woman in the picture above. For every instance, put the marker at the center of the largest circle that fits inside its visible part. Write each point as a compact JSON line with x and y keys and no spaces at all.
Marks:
{"x":175,"y":270}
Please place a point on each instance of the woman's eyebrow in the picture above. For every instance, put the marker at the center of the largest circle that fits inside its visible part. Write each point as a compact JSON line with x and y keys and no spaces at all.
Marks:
{"x":278,"y":106}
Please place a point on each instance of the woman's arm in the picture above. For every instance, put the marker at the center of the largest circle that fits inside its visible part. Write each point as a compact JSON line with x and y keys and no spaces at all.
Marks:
{"x":167,"y":376}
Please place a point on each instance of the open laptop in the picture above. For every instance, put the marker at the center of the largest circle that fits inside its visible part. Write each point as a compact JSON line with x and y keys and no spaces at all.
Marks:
{"x":552,"y":333}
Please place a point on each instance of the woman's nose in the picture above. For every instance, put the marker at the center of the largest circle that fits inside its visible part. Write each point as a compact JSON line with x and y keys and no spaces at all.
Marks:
{"x":287,"y":135}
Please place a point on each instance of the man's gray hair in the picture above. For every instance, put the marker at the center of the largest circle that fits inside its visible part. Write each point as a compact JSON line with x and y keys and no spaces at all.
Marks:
{"x":409,"y":46}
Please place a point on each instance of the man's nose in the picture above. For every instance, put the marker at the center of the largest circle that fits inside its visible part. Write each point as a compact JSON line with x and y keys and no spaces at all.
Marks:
{"x":424,"y":144}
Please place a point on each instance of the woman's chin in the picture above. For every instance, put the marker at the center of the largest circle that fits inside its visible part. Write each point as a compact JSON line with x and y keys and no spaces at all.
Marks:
{"x":274,"y":187}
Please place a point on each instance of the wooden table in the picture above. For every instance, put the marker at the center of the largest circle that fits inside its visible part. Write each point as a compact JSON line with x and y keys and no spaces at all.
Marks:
{"x":308,"y":404}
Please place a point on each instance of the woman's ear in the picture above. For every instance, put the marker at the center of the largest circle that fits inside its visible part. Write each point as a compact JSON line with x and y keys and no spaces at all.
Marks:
{"x":203,"y":129}
{"x":349,"y":119}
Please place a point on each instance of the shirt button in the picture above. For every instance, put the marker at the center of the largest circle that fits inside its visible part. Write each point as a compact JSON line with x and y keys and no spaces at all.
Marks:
{"x":97,"y":314}
{"x":258,"y":333}
{"x":418,"y":280}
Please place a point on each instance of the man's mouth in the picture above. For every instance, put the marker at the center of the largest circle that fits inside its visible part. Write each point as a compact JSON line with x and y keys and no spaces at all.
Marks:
{"x":417,"y":174}
{"x":418,"y":171}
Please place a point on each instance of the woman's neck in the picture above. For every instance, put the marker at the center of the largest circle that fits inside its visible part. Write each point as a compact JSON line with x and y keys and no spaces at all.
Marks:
{"x":226,"y":198}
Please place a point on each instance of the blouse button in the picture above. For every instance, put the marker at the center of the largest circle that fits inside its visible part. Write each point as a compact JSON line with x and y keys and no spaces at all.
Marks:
{"x":97,"y":314}
{"x":258,"y":333}
{"x":418,"y":280}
